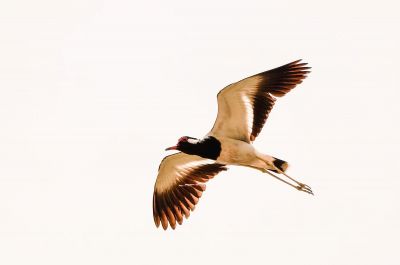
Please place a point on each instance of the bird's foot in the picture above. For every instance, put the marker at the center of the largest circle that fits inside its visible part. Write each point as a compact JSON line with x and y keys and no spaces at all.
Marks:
{"x":305,"y":188}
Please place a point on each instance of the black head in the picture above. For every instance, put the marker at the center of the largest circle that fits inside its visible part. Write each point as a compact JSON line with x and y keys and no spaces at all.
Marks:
{"x":183,"y":142}
{"x":208,"y":147}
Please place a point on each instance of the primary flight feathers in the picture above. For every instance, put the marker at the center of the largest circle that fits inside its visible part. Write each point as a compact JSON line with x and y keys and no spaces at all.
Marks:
{"x":179,"y":186}
{"x":243,"y":108}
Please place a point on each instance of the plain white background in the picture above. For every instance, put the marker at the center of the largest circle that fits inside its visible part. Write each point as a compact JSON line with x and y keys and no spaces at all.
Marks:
{"x":91,"y":92}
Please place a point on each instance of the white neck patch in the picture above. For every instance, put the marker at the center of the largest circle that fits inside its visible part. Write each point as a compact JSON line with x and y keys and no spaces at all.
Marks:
{"x":193,"y":141}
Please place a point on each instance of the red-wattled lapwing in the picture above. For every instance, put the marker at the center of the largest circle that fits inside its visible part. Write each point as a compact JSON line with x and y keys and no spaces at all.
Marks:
{"x":243,"y":108}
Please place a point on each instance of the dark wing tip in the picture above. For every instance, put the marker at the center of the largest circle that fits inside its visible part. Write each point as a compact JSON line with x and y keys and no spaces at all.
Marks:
{"x":295,"y":65}
{"x":276,"y":82}
{"x":295,"y":62}
{"x":171,"y":205}
{"x":281,"y":80}
{"x":156,"y":215}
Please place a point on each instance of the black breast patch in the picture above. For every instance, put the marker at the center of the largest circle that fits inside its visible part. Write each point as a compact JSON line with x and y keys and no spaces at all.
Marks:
{"x":209,"y":147}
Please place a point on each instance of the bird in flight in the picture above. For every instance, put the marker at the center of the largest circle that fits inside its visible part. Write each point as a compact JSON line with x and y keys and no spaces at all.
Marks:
{"x":243,"y":108}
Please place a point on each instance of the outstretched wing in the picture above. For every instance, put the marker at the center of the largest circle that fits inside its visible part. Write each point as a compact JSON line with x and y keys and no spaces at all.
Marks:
{"x":244,"y":106}
{"x":179,"y":185}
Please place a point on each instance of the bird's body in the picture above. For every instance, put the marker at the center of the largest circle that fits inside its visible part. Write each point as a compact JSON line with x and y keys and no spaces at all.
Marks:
{"x":235,"y":152}
{"x":243,"y":108}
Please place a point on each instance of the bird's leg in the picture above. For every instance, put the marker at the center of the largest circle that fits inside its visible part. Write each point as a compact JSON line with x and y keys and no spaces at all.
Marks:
{"x":300,"y":186}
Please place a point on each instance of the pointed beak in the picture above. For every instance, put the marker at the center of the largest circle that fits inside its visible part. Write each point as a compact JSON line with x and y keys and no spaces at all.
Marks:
{"x":171,"y":148}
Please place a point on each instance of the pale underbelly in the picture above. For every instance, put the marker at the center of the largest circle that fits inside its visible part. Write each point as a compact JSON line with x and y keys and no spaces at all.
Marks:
{"x":237,"y":153}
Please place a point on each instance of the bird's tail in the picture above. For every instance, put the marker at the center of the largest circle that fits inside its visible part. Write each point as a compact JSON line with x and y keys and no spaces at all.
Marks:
{"x":273,"y":163}
{"x":280,"y":164}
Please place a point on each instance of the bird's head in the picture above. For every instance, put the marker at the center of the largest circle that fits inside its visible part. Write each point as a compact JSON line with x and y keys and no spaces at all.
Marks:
{"x":183,"y":143}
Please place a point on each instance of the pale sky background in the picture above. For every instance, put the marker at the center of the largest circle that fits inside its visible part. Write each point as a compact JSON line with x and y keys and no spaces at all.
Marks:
{"x":91,"y":92}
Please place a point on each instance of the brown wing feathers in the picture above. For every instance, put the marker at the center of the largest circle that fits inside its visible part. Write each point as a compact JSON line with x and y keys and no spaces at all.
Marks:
{"x":276,"y":82}
{"x":262,"y":106}
{"x":169,"y":206}
{"x":177,"y":194}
